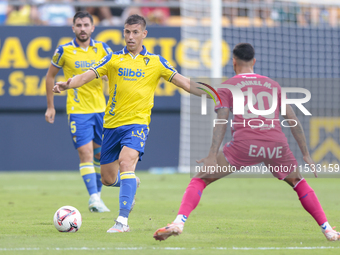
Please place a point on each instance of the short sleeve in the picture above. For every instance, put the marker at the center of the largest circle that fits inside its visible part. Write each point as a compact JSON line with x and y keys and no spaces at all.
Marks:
{"x":57,"y":59}
{"x":167,"y":71}
{"x":225,"y":99}
{"x":107,"y":49}
{"x":101,"y":67}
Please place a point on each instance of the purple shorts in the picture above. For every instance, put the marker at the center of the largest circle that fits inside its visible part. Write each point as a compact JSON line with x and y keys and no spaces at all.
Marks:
{"x":277,"y":156}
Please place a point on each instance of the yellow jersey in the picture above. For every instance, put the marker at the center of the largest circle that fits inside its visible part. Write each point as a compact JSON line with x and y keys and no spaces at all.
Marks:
{"x":132,"y":81}
{"x":75,"y":60}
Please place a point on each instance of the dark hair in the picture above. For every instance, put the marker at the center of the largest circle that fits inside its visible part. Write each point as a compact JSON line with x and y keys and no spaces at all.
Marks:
{"x":82,"y":14}
{"x":136,"y":19}
{"x":244,"y":51}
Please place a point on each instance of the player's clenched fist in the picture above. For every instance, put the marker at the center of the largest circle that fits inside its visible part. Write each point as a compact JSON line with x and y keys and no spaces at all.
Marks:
{"x":50,"y":115}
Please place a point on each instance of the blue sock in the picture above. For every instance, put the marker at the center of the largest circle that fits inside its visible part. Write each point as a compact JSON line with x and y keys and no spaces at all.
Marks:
{"x":117,"y":182}
{"x":96,"y":164}
{"x":127,"y":193}
{"x":89,"y":176}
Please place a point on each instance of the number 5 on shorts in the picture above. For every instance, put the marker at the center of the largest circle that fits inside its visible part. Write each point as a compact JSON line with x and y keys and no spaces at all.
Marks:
{"x":73,"y":127}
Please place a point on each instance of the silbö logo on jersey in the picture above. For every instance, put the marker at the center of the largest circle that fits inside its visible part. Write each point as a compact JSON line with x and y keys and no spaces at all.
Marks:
{"x":84,"y":65}
{"x":129,"y":74}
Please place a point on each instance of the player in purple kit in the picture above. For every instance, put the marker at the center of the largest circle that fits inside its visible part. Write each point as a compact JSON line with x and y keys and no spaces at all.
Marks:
{"x":260,"y":140}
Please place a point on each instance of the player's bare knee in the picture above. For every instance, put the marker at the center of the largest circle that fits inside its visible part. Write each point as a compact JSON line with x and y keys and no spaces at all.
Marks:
{"x":105,"y":183}
{"x":293,"y":178}
{"x":85,"y":158}
{"x":107,"y":180}
{"x":292,"y":181}
{"x":85,"y":155}
{"x":126,"y":165}
{"x":207,"y":181}
{"x":205,"y":177}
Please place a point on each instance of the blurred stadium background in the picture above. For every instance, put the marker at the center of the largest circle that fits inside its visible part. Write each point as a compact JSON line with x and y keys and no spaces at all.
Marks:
{"x":296,"y":43}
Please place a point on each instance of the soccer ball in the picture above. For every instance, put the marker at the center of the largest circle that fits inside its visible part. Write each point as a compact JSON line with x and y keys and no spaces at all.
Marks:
{"x":67,"y":219}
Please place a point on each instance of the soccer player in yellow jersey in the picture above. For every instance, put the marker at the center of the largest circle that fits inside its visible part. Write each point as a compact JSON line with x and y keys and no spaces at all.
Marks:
{"x":133,"y":76}
{"x":85,"y":105}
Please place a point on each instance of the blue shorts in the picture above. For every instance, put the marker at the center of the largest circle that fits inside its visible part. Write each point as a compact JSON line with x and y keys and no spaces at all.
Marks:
{"x":86,"y":127}
{"x":132,"y":136}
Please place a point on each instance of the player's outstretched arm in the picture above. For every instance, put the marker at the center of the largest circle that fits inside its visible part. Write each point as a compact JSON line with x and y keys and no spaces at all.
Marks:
{"x":218,"y":135}
{"x":75,"y":82}
{"x":299,"y":136}
{"x":50,"y":77}
{"x":188,"y":85}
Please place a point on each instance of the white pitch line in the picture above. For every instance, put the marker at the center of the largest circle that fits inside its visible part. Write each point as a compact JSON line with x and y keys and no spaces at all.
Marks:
{"x":171,"y":248}
{"x":276,"y":248}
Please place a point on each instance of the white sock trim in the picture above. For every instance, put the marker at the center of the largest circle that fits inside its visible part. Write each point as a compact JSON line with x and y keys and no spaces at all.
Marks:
{"x":122,"y":220}
{"x":180,"y":218}
{"x":325,"y":227}
{"x":95,"y":196}
{"x":298,"y":183}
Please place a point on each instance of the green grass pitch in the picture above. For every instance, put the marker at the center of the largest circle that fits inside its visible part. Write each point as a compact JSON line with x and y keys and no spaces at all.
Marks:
{"x":235,"y":216}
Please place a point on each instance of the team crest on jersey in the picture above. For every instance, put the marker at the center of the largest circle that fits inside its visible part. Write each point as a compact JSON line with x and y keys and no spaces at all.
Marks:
{"x":95,"y":50}
{"x":146,"y":60}
{"x":74,"y":51}
{"x":56,"y":56}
